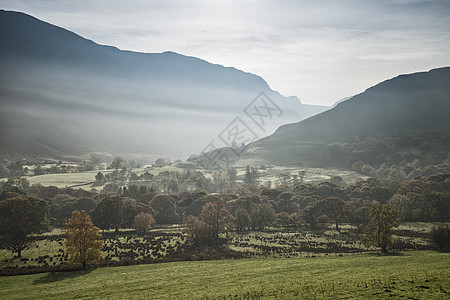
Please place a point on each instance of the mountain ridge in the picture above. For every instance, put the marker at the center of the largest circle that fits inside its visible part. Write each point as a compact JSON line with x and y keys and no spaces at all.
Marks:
{"x":402,"y":121}
{"x":167,"y":103}
{"x":373,"y":92}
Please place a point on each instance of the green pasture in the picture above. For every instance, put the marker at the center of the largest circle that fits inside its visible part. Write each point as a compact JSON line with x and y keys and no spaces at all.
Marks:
{"x":413,"y":275}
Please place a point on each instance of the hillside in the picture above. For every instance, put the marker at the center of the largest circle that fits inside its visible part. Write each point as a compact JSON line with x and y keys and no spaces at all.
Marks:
{"x":415,"y":102}
{"x":63,"y":94}
{"x":397,"y":121}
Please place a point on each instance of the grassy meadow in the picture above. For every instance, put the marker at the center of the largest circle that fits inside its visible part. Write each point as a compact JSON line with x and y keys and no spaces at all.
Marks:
{"x":86,"y":180}
{"x":413,"y":275}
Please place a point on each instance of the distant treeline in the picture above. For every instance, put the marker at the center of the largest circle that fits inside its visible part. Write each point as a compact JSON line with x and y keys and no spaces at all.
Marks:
{"x":292,"y":204}
{"x":395,"y":157}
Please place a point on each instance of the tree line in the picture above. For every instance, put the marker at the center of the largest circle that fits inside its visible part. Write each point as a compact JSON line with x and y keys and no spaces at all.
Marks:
{"x":26,"y":209}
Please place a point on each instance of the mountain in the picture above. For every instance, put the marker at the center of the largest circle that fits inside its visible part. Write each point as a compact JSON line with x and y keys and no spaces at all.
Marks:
{"x":63,"y":94}
{"x":390,"y":122}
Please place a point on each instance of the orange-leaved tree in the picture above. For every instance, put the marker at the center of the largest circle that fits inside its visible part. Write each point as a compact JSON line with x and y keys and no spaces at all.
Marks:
{"x":217,"y":217}
{"x":143,"y":221}
{"x":83,"y":241}
{"x":197,"y":230}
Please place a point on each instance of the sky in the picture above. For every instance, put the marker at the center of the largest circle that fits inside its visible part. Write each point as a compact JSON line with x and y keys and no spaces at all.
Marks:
{"x":320,"y":51}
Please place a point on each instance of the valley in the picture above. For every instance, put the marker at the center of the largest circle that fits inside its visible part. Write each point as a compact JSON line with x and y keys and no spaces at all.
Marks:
{"x":161,"y":175}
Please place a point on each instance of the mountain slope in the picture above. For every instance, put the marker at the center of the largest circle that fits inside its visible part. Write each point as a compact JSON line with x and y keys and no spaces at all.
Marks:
{"x":61,"y":93}
{"x":394,"y":117}
{"x":419,"y":101}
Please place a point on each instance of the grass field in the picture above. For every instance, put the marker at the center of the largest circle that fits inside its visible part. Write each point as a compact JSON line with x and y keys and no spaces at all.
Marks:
{"x":67,"y":179}
{"x":413,"y":275}
{"x":84,"y":180}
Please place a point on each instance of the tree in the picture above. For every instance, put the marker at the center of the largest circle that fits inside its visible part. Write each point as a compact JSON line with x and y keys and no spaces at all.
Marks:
{"x":100,"y":177}
{"x":21,"y":216}
{"x":217,"y":217}
{"x":117,"y":163}
{"x":83,"y":241}
{"x":165,"y":208}
{"x":440,"y":237}
{"x":108,"y":213}
{"x":232,"y":175}
{"x":383,"y":218}
{"x":197,"y":230}
{"x":251,"y":176}
{"x":263,"y":215}
{"x":143,"y":222}
{"x":117,"y":212}
{"x":311,"y":213}
{"x":286,"y":220}
{"x":4,"y":171}
{"x":358,"y":212}
{"x":301,"y":175}
{"x":242,"y":219}
{"x":335,"y":209}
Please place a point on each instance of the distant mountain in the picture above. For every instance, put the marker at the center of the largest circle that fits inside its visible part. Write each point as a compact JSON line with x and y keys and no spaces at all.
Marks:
{"x":63,"y":94}
{"x":396,"y":116}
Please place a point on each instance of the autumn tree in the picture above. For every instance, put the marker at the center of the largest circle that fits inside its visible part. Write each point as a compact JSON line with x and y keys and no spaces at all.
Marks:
{"x":197,"y":230}
{"x":21,"y":216}
{"x":83,"y":241}
{"x":216,"y":216}
{"x":287,"y":220}
{"x":383,"y":218}
{"x":143,"y":222}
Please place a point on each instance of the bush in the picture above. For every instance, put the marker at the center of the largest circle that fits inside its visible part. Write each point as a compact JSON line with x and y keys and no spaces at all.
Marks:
{"x":440,"y":237}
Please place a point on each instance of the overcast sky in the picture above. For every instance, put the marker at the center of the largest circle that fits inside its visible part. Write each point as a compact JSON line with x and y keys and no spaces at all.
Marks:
{"x":320,"y":51}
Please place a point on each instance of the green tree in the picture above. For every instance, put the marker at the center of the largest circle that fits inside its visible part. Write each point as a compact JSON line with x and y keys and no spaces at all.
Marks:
{"x":4,"y":171}
{"x":311,"y":214}
{"x":100,"y":177}
{"x":118,"y":212}
{"x":232,"y":175}
{"x":117,"y":163}
{"x":108,"y":213}
{"x":383,"y":218}
{"x":251,"y":176}
{"x":440,"y":237}
{"x":21,"y":216}
{"x":242,"y":219}
{"x":263,"y":215}
{"x":335,"y":208}
{"x":83,"y":241}
{"x":165,"y":208}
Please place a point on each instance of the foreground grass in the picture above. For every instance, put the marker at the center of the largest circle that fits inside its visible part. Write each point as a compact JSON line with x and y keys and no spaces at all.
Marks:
{"x":421,"y":275}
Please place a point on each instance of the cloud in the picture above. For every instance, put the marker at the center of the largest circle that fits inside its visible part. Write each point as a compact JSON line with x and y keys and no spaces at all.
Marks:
{"x":320,"y":51}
